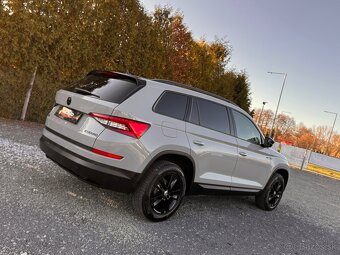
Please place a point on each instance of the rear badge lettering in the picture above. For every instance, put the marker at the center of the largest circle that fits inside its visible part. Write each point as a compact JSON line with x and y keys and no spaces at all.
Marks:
{"x":91,"y":133}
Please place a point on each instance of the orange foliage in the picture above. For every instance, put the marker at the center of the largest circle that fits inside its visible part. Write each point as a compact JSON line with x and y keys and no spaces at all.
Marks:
{"x":288,"y":132}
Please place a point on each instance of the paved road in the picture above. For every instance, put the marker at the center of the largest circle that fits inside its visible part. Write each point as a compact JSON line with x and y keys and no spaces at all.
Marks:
{"x":44,"y":210}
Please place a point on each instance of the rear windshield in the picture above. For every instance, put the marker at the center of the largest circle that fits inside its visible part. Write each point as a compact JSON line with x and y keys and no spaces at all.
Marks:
{"x":105,"y":88}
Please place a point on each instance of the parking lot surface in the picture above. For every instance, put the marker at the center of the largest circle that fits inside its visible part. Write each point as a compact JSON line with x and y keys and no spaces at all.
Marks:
{"x":45,"y":210}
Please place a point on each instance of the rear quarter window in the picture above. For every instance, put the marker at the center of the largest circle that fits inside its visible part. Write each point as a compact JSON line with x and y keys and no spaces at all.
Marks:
{"x":106,"y":88}
{"x":172,"y":104}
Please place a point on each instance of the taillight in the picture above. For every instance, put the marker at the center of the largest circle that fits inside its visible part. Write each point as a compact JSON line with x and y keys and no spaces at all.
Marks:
{"x":125,"y":126}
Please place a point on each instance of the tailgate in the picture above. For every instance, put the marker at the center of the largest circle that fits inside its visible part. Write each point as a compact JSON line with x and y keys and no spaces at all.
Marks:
{"x":99,"y":92}
{"x":87,"y":129}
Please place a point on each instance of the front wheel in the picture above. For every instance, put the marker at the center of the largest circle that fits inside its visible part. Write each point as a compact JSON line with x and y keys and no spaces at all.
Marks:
{"x":160,"y":193}
{"x":269,"y":198}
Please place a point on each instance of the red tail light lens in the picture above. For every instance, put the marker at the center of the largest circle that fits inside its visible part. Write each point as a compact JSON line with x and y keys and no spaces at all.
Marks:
{"x":125,"y":126}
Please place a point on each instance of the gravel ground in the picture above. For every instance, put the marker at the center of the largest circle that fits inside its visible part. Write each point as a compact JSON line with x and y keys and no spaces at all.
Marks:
{"x":45,"y":210}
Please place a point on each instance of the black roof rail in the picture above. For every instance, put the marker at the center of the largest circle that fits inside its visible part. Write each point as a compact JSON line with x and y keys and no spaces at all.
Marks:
{"x":112,"y":74}
{"x":194,"y":89}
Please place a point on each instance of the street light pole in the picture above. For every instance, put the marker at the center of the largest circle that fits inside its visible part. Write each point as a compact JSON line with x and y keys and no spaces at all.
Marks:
{"x":278,"y":104}
{"x":329,"y":139}
{"x":263,"y":104}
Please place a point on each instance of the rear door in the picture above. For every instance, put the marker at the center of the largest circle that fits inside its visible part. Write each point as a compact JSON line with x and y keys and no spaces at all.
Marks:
{"x":212,"y":147}
{"x":96,"y":93}
{"x":254,"y":161}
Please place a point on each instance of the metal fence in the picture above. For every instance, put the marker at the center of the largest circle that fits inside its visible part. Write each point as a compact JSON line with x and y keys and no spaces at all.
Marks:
{"x":298,"y":157}
{"x":325,"y":161}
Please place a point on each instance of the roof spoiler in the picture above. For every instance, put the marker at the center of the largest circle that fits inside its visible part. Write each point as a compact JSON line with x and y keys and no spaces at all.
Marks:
{"x":117,"y":75}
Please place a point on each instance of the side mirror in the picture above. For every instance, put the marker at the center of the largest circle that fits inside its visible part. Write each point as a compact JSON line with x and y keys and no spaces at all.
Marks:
{"x":268,"y":142}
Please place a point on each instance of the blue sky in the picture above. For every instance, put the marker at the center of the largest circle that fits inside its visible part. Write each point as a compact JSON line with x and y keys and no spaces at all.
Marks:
{"x":301,"y":38}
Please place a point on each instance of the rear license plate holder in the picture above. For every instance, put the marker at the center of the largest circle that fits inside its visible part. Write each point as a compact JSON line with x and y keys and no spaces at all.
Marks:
{"x":68,"y":114}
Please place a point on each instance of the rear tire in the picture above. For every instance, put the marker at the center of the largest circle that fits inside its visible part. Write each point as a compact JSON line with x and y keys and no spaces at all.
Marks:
{"x":160,"y":193}
{"x":269,"y":198}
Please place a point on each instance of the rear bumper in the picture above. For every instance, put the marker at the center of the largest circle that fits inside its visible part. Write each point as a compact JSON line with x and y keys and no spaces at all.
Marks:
{"x":88,"y":170}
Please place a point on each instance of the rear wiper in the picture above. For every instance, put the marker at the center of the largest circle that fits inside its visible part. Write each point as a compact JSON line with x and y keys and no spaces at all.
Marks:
{"x":85,"y":92}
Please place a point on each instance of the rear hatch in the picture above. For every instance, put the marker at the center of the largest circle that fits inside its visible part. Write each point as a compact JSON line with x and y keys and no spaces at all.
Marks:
{"x":99,"y":92}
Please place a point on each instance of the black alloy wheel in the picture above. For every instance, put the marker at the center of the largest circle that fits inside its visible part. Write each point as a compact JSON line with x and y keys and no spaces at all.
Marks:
{"x":166,"y":193}
{"x":275,"y":194}
{"x":269,"y":198}
{"x":161,"y":191}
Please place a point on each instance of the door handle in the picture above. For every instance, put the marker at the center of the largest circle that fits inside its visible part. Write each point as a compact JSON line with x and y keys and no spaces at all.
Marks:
{"x":242,"y":153}
{"x":199,"y":143}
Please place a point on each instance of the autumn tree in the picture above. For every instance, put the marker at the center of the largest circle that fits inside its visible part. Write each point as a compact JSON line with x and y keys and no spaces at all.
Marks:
{"x":264,"y":120}
{"x":304,"y":137}
{"x":67,"y":39}
{"x":181,"y":42}
{"x":334,"y":148}
{"x":315,"y":138}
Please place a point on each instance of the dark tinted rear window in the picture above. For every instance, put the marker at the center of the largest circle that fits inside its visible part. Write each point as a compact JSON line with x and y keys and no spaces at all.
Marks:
{"x":172,"y":105}
{"x":213,"y":116}
{"x":108,"y":89}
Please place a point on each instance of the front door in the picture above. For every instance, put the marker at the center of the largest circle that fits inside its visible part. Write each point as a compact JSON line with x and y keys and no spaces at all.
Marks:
{"x":254,"y":161}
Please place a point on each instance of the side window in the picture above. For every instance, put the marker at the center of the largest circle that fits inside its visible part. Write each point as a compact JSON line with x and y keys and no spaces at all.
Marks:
{"x":172,"y":104}
{"x":246,"y":129}
{"x":213,"y":116}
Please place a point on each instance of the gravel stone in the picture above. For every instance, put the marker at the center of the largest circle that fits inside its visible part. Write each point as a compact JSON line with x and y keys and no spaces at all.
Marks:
{"x":45,"y":210}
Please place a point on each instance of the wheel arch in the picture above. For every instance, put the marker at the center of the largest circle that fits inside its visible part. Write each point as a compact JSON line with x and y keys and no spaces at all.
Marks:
{"x":183,"y":160}
{"x":283,"y":172}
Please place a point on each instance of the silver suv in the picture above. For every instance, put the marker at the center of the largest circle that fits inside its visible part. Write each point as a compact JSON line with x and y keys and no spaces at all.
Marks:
{"x":160,"y":140}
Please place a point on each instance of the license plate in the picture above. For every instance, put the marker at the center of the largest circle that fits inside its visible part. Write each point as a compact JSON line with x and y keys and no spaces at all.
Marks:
{"x":68,"y":114}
